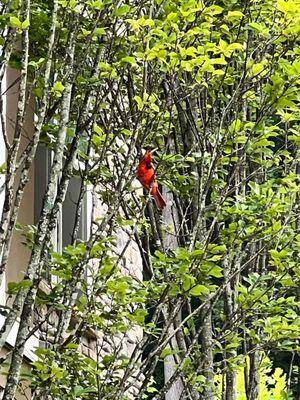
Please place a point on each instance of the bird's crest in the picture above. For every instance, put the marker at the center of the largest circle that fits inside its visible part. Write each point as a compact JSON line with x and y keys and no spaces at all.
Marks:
{"x":147,"y":156}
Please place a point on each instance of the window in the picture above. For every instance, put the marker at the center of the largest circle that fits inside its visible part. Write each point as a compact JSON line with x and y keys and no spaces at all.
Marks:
{"x":69,"y":212}
{"x":43,"y":161}
{"x":67,"y":215}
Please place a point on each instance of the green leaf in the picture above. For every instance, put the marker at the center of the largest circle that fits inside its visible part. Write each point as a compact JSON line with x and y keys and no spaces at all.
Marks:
{"x":125,"y":222}
{"x":99,"y":32}
{"x":97,"y":4}
{"x":198,"y":290}
{"x":255,"y":187}
{"x":97,"y":129}
{"x":235,"y":14}
{"x":188,"y":282}
{"x":129,"y":60}
{"x":15,"y":22}
{"x":275,"y":254}
{"x":216,"y":272}
{"x":25,"y":24}
{"x":3,"y":168}
{"x":107,"y":267}
{"x":235,"y":46}
{"x":36,"y":64}
{"x":15,"y":287}
{"x":166,"y":352}
{"x":213,"y":10}
{"x":139,"y":102}
{"x":58,"y":89}
{"x":83,"y":299}
{"x":151,"y":389}
{"x":85,"y":32}
{"x":216,"y":249}
{"x":124,"y":9}
{"x":287,"y":6}
{"x":235,"y":126}
{"x":72,"y":4}
{"x":258,"y":68}
{"x":201,"y":379}
{"x":78,"y":390}
{"x":256,"y":26}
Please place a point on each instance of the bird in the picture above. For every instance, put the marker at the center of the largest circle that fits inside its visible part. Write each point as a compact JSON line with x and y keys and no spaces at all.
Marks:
{"x":145,"y":174}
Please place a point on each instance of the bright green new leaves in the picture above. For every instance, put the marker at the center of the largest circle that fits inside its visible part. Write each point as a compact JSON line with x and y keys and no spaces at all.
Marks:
{"x":171,"y":48}
{"x":58,"y":89}
{"x":122,"y":10}
{"x":273,"y":382}
{"x":215,"y":88}
{"x":16,"y":23}
{"x":193,"y":272}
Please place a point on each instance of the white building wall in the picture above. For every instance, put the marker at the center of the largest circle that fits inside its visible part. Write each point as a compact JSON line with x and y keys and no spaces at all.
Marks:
{"x":2,"y":147}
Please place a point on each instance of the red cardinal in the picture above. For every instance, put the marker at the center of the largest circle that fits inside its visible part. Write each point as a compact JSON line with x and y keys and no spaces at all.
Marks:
{"x":145,"y":174}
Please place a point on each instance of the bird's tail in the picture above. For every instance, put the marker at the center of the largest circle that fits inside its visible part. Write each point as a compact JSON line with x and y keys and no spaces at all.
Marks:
{"x":159,"y":200}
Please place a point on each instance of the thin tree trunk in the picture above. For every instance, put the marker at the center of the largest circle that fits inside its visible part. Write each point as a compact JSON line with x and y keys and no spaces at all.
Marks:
{"x":175,"y":391}
{"x":230,"y":374}
{"x":206,"y":339}
{"x":253,"y":389}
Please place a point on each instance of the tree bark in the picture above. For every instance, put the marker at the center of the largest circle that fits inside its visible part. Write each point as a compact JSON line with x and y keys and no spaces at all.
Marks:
{"x":175,"y":391}
{"x":253,"y":389}
{"x":206,"y":340}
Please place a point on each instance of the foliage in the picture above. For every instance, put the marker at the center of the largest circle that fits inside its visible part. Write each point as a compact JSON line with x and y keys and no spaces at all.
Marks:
{"x":272,"y":383}
{"x":214,"y":87}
